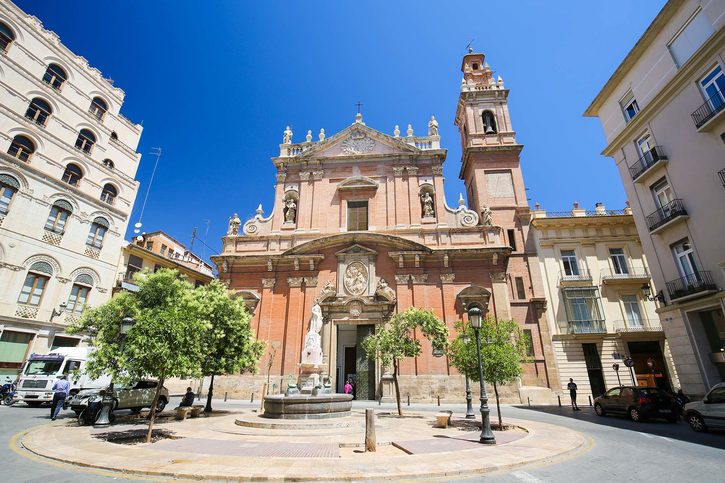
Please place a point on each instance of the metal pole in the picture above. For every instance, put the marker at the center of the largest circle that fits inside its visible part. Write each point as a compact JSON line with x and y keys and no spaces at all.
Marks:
{"x":631,"y":374}
{"x":618,"y":379}
{"x":558,"y":396}
{"x":469,"y":401}
{"x":486,"y":434}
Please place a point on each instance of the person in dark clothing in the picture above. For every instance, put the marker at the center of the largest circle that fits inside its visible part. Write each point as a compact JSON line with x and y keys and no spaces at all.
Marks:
{"x":572,"y":392}
{"x":188,"y":400}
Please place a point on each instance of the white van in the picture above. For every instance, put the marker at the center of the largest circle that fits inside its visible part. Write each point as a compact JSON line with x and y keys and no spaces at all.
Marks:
{"x":41,"y":371}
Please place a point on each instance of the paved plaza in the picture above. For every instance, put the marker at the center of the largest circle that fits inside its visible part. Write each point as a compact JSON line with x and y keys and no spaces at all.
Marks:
{"x":560,"y":446}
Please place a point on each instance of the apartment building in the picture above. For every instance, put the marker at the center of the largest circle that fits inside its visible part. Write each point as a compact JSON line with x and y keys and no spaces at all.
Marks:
{"x":159,"y":250}
{"x":598,"y":285}
{"x":67,"y":165}
{"x":663,"y":114}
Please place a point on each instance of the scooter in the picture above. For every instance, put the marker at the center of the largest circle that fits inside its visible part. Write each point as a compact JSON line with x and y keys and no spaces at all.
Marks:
{"x":7,"y":392}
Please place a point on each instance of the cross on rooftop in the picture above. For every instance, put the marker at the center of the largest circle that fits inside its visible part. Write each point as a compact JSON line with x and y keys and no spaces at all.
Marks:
{"x":359,"y":105}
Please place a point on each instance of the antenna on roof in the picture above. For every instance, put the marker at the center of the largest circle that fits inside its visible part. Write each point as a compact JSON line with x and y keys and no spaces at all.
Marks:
{"x":137,"y":227}
{"x":193,"y":237}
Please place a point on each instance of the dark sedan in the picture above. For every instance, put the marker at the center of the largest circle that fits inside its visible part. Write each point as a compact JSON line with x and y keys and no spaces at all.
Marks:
{"x":639,"y":403}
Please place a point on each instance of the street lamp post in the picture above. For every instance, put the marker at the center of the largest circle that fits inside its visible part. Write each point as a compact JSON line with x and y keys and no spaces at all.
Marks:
{"x":469,"y":406}
{"x":475,"y":318}
{"x":104,"y":418}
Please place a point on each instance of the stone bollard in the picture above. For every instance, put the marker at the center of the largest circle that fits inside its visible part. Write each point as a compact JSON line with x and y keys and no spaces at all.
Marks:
{"x":370,"y":443}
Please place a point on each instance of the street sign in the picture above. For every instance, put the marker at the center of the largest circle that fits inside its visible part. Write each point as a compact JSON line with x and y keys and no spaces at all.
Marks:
{"x":629,"y":362}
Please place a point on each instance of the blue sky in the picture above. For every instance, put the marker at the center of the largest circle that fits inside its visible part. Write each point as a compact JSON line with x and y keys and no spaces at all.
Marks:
{"x":215,"y":83}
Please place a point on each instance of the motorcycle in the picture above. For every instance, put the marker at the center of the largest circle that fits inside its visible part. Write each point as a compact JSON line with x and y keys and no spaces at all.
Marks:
{"x":7,"y":392}
{"x":92,"y":410}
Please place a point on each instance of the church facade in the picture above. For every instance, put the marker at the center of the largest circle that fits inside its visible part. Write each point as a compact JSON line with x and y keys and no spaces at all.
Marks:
{"x":361,"y":227}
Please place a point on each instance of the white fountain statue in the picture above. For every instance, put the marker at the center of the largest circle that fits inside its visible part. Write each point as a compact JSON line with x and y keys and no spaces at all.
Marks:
{"x":311,"y":366}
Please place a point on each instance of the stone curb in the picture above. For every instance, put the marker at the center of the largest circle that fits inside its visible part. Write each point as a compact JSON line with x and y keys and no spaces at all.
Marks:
{"x":544,"y":443}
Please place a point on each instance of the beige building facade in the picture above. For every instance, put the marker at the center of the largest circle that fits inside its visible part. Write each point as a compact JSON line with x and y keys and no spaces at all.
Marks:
{"x":594,"y":268}
{"x":663,"y":114}
{"x":67,"y":165}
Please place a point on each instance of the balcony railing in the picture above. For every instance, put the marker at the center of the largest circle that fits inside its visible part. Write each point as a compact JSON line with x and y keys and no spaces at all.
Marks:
{"x":587,"y":327}
{"x":690,"y":285}
{"x":632,"y":274}
{"x":636,"y":326}
{"x":648,"y":159}
{"x":709,"y":109}
{"x":721,"y":173}
{"x":583,"y":275}
{"x":665,"y":214}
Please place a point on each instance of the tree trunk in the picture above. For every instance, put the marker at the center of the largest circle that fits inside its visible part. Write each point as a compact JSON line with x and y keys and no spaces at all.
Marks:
{"x":397,"y":387}
{"x":152,"y":415}
{"x":207,"y":409}
{"x":498,"y":407}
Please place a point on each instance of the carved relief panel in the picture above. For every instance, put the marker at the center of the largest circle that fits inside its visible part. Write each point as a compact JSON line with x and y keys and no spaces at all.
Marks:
{"x":356,"y":271}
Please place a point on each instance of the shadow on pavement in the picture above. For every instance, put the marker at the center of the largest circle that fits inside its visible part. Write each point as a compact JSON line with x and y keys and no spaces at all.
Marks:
{"x":679,"y":430}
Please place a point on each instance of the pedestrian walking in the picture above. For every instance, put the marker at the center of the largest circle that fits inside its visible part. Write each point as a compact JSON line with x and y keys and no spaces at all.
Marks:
{"x":348,"y":387}
{"x":61,"y":389}
{"x":572,"y":392}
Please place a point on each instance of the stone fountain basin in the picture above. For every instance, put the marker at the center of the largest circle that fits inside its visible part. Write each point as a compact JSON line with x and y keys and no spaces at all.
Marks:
{"x":304,"y":406}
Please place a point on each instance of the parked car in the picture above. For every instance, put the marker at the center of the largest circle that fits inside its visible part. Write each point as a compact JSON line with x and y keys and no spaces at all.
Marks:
{"x":708,"y":413}
{"x":135,"y":397}
{"x":638,"y":403}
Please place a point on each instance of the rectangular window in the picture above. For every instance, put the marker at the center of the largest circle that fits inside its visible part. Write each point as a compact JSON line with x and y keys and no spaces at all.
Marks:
{"x":631,"y":308}
{"x":582,"y":304}
{"x":663,"y":195}
{"x":33,"y":288}
{"x":645,"y":144}
{"x":56,"y":220}
{"x":529,"y":343}
{"x":685,"y":258}
{"x":512,"y":239}
{"x":571,"y":268}
{"x":629,"y":106}
{"x":692,"y":35}
{"x":357,"y":215}
{"x":135,"y":264}
{"x":78,"y":298}
{"x":6,"y":194}
{"x":163,"y":250}
{"x":520,"y":290}
{"x":713,"y":88}
{"x":619,"y":261}
{"x":149,"y":245}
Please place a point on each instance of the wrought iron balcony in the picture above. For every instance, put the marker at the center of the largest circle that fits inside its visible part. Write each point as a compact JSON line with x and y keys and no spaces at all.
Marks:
{"x":692,"y":284}
{"x":587,"y":327}
{"x":646,"y":161}
{"x":582,"y":275}
{"x":637,"y":326}
{"x":709,"y":109}
{"x":665,"y":214}
{"x":633,"y":274}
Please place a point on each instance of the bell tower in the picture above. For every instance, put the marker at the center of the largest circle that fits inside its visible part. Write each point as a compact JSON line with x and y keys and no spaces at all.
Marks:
{"x":490,"y":166}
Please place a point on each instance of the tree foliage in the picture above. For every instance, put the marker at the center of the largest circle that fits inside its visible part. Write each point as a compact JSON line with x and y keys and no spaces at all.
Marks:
{"x":397,"y":340}
{"x":503,"y":348}
{"x":168,"y":338}
{"x":228,"y":344}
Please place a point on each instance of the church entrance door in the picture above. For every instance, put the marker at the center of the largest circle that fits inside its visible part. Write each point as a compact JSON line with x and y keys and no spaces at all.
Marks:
{"x":352,"y":363}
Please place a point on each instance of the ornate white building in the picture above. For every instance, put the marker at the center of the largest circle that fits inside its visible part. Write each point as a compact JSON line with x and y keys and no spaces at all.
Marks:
{"x":67,"y":165}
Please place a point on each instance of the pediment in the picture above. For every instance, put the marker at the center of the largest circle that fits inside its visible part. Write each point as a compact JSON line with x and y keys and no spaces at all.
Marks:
{"x":356,"y":249}
{"x":357,"y":183}
{"x":359,"y":140}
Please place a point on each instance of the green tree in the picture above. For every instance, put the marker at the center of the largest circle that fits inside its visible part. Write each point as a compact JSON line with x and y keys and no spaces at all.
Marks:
{"x":397,"y":339}
{"x":228,"y":344}
{"x":165,"y":340}
{"x":503,"y":348}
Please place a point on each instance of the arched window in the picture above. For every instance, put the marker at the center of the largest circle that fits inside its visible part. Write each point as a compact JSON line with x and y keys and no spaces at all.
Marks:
{"x":109,"y":193}
{"x":99,"y":227}
{"x":108,"y":164}
{"x":6,"y":37}
{"x":58,"y":217}
{"x":55,"y":76}
{"x":39,"y":111}
{"x":8,"y":187}
{"x":98,"y":108}
{"x":35,"y":283}
{"x":79,"y":293}
{"x":114,"y":136}
{"x":489,"y":122}
{"x":86,"y":140}
{"x":22,"y":148}
{"x":72,"y":174}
